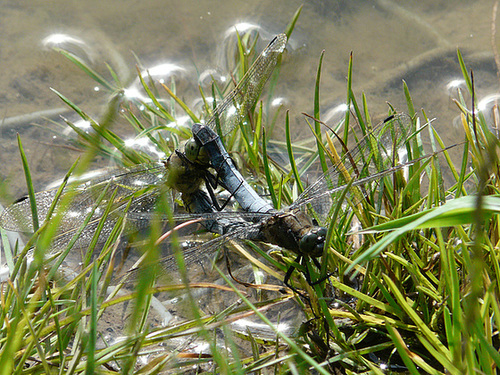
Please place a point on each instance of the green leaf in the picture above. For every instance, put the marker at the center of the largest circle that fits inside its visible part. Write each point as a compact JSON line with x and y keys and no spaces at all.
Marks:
{"x":459,"y":211}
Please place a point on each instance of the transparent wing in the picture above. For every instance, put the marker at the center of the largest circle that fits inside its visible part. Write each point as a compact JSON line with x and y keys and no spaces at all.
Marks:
{"x":134,"y":192}
{"x":371,"y":158}
{"x":123,"y":183}
{"x":234,"y":106}
{"x":236,"y":228}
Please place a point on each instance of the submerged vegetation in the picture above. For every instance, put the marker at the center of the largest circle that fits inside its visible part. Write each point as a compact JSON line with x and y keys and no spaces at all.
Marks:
{"x":415,"y":291}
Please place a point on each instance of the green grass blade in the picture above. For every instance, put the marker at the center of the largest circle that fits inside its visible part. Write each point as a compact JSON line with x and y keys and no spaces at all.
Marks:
{"x":291,"y":158}
{"x":317,"y":124}
{"x":90,"y":365}
{"x":405,"y":354}
{"x":291,"y":25}
{"x":29,"y":184}
{"x":267,"y":171}
{"x":409,"y":101}
{"x":87,"y":69}
{"x":465,"y":72}
{"x":183,"y":105}
{"x":428,"y":337}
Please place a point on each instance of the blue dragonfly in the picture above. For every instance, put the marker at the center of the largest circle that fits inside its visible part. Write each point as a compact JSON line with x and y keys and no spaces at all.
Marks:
{"x":134,"y":191}
{"x":370,"y":159}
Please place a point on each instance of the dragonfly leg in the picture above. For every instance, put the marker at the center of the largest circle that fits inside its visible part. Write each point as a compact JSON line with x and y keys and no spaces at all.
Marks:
{"x":209,"y":183}
{"x":303,"y":262}
{"x":321,"y":279}
{"x":231,"y":196}
{"x":228,"y":266}
{"x":288,"y":274}
{"x":217,"y":180}
{"x":210,"y":188}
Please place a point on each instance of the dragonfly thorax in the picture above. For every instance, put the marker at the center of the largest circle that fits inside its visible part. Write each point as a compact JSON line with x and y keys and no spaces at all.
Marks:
{"x":294,"y":231}
{"x":183,"y":175}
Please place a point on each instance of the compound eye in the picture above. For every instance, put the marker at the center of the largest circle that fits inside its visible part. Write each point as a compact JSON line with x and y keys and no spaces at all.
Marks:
{"x":322,"y":232}
{"x":318,"y":249}
{"x":203,"y":157}
{"x":308,"y":242}
{"x":191,"y":150}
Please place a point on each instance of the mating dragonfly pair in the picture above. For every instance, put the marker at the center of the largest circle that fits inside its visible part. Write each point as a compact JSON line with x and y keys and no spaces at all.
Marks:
{"x":134,"y":192}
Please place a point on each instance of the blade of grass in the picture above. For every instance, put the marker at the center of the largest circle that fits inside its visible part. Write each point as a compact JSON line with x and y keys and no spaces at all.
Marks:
{"x":90,"y":350}
{"x":406,"y":355}
{"x":280,"y":334}
{"x":29,"y":184}
{"x":291,"y":25}
{"x":183,"y":105}
{"x":267,"y":170}
{"x":87,"y":69}
{"x":428,"y":338}
{"x":317,"y":124}
{"x":291,"y":158}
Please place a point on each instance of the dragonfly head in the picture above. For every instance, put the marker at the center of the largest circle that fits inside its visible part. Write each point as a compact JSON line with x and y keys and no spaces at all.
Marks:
{"x":195,"y":153}
{"x":313,"y":242}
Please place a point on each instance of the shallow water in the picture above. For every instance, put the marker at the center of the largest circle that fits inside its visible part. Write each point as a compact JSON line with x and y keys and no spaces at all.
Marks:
{"x":389,"y":43}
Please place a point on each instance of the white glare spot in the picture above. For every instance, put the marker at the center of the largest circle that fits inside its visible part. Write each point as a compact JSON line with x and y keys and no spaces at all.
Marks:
{"x":231,"y":111}
{"x":244,"y":324}
{"x":335,"y":114}
{"x":163,"y":70}
{"x":131,"y":142}
{"x":58,"y":39}
{"x":277,"y":102}
{"x":242,"y":28}
{"x":342,"y":108}
{"x":71,"y":44}
{"x":139,"y":183}
{"x":96,"y":88}
{"x":144,"y":144}
{"x":455,"y":84}
{"x":201,"y":348}
{"x":144,"y":359}
{"x":83,"y":124}
{"x":183,"y":120}
{"x":132,"y":93}
{"x":487,"y":102}
{"x":97,"y":211}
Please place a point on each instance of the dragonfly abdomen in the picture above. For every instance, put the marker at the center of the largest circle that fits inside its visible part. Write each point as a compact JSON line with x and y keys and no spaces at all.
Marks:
{"x":227,"y":172}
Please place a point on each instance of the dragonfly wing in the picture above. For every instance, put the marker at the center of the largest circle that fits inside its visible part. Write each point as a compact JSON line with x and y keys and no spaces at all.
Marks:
{"x":244,"y":96}
{"x":82,"y":200}
{"x":18,"y":217}
{"x":372,"y":157}
{"x":138,"y":210}
{"x":244,"y":230}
